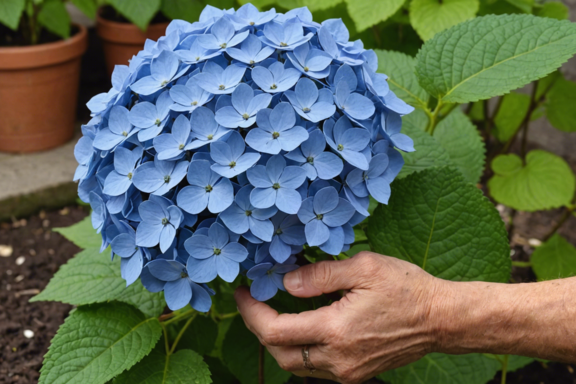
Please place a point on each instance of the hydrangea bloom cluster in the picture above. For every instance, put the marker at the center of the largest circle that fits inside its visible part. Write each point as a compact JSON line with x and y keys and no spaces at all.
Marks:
{"x":232,"y":142}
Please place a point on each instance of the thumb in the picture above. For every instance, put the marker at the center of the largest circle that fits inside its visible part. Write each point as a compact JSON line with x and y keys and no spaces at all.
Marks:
{"x":322,"y":277}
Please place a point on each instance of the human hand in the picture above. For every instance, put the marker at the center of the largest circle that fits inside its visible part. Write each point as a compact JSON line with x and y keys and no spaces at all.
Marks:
{"x":387,"y":318}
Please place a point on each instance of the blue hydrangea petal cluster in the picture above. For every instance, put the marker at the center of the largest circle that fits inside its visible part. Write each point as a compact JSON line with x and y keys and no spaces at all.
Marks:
{"x":231,"y":143}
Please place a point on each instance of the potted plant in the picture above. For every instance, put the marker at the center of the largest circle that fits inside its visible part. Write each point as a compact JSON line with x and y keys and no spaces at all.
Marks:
{"x":124,"y":26}
{"x":40,"y":53}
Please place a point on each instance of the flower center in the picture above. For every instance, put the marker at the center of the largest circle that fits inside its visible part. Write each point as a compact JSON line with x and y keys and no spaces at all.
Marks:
{"x":252,"y":23}
{"x":164,"y":83}
{"x":278,"y":231}
{"x":275,"y":135}
{"x":194,"y":103}
{"x":125,"y":134}
{"x":181,"y":146}
{"x":245,"y":116}
{"x":305,"y":109}
{"x":165,"y":221}
{"x":129,"y":175}
{"x":208,"y":188}
{"x":183,"y":275}
{"x":197,"y":58}
{"x":251,"y":62}
{"x":340,"y":147}
{"x":221,"y":87}
{"x":310,"y":159}
{"x":232,"y":164}
{"x":167,"y":178}
{"x":248,"y":213}
{"x":276,"y":186}
{"x":306,"y":69}
{"x":283,"y":44}
{"x":223,"y":45}
{"x":319,"y":216}
{"x":273,"y":86}
{"x":217,"y":251}
{"x":210,"y":137}
{"x":158,"y":122}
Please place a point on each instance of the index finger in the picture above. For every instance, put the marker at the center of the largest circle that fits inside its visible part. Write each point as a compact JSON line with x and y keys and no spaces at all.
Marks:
{"x":281,"y":329}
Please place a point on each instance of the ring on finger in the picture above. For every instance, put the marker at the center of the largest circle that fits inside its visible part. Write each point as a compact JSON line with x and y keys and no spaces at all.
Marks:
{"x":306,"y":358}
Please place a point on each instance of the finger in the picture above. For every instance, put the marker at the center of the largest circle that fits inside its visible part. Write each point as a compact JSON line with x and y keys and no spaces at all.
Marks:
{"x":285,"y":329}
{"x":325,"y":277}
{"x":291,"y":359}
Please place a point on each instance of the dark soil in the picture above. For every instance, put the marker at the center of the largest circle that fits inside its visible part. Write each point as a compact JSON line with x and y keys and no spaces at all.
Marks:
{"x":36,"y":255}
{"x":10,"y":38}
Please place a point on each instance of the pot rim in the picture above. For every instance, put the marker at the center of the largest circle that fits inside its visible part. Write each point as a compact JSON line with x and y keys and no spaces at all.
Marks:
{"x":127,"y":33}
{"x":46,"y":54}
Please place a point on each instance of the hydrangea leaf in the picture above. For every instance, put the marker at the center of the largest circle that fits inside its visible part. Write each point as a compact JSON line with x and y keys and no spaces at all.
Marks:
{"x":90,"y":277}
{"x":554,"y":10}
{"x":523,"y":5}
{"x":10,"y":12}
{"x":54,"y":17}
{"x":428,"y":152}
{"x":438,"y":368}
{"x":555,"y":259}
{"x":514,"y":362}
{"x":240,"y":352}
{"x":182,"y":9}
{"x":545,"y":182}
{"x":320,"y":5}
{"x":138,"y":12}
{"x":438,"y":221}
{"x":560,"y":105}
{"x":88,"y":7}
{"x":82,"y":234}
{"x":98,"y":342}
{"x":200,"y":336}
{"x":366,"y":13}
{"x":510,"y":115}
{"x":514,"y":50}
{"x":463,"y":143}
{"x":400,"y":69}
{"x":428,"y":17}
{"x":183,"y":367}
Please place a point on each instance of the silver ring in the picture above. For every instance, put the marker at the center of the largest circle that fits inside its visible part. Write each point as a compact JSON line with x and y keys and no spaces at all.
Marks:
{"x":306,"y":358}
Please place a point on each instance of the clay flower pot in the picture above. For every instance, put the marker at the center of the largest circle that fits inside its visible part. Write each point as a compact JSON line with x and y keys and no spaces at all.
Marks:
{"x":121,"y":41}
{"x":38,"y":91}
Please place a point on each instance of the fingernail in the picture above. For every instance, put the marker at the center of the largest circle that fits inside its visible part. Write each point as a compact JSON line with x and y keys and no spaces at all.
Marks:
{"x":293,"y":281}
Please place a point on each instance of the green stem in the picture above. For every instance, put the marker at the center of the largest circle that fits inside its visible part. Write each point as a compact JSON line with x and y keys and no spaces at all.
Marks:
{"x":227,"y":315}
{"x":442,"y":116}
{"x":165,"y":331}
{"x":181,"y":333}
{"x":504,"y":369}
{"x":521,"y":264}
{"x":433,"y":118}
{"x":179,"y":317}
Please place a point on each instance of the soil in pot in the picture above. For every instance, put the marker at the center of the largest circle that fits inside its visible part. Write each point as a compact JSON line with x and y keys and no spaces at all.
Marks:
{"x":121,"y":39}
{"x":38,"y":91}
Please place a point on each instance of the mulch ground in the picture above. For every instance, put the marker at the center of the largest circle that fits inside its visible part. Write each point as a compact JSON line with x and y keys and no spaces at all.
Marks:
{"x":30,"y":253}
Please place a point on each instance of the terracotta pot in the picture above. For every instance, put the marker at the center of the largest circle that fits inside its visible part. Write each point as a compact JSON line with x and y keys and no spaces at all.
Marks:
{"x":121,"y":41}
{"x":38,"y":91}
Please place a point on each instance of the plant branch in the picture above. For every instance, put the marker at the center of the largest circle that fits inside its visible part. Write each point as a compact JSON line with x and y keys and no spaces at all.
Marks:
{"x":504,"y":369}
{"x":563,"y":218}
{"x":433,"y":116}
{"x":181,"y":333}
{"x":165,"y":331}
{"x":176,"y":318}
{"x":524,"y":125}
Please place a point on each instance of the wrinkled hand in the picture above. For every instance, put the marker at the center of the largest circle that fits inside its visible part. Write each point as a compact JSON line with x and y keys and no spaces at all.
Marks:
{"x":383,"y":321}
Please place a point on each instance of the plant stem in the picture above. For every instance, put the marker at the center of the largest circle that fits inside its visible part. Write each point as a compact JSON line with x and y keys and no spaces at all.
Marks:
{"x":563,"y":218}
{"x":178,"y":317}
{"x":181,"y":333}
{"x":524,"y":125}
{"x":261,"y":365}
{"x":165,"y":331}
{"x":521,"y":264}
{"x":227,"y":315}
{"x":433,"y":116}
{"x":504,"y":369}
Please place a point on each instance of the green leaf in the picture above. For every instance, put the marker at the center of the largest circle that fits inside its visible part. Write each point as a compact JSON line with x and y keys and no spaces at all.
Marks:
{"x":523,"y":5}
{"x":240,"y":353}
{"x":560,"y":103}
{"x":545,"y":182}
{"x":10,"y":12}
{"x":319,"y":5}
{"x":82,"y":234}
{"x":188,"y":10}
{"x":200,"y":336}
{"x":554,"y":10}
{"x":54,"y":17}
{"x":90,"y":277}
{"x":428,"y":17}
{"x":437,"y":368}
{"x":220,"y":373}
{"x":138,"y":12}
{"x":400,"y":69}
{"x":366,"y":13}
{"x":97,"y":342}
{"x":428,"y":152}
{"x":510,"y":115}
{"x":555,"y":259}
{"x":463,"y":143}
{"x":183,"y":367}
{"x":545,"y":84}
{"x":492,"y":55}
{"x":88,"y":7}
{"x":443,"y":224}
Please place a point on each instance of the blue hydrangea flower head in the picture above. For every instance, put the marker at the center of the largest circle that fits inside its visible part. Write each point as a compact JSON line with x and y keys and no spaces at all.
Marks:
{"x":231,"y":143}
